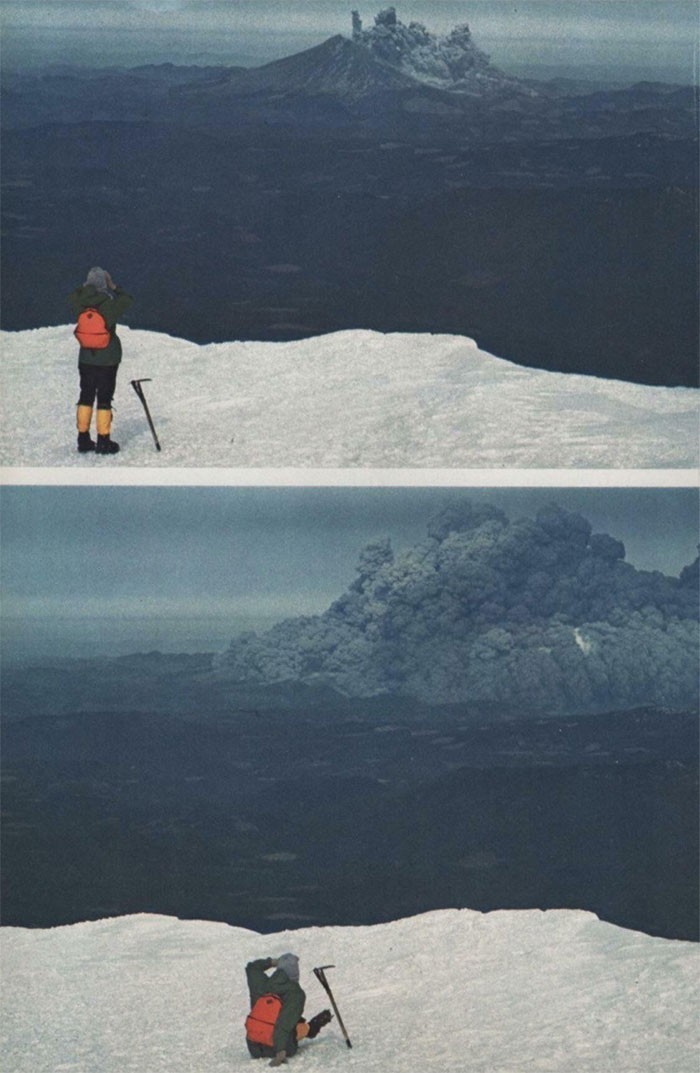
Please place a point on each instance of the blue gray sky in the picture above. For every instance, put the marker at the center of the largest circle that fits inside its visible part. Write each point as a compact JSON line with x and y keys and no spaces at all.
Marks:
{"x":657,"y":37}
{"x":112,"y":570}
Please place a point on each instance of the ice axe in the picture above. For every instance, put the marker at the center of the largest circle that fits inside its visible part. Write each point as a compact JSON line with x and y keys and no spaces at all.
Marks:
{"x":136,"y":384}
{"x":320,"y":975}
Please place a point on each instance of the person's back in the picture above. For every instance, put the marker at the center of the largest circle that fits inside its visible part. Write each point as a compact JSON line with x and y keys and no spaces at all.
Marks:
{"x":98,"y":363}
{"x":289,"y":1027}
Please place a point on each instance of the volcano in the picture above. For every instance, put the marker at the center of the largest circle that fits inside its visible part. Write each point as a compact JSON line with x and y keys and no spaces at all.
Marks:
{"x":388,"y":57}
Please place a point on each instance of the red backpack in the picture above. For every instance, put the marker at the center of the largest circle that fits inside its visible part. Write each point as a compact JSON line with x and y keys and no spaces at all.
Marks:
{"x":92,"y":331}
{"x":260,"y":1022}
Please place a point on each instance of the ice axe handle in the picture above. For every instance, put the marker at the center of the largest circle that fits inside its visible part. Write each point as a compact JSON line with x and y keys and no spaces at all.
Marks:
{"x":320,"y":975}
{"x":136,"y":384}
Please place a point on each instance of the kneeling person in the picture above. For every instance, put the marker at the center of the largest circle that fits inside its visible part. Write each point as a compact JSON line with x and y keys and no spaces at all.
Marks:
{"x":275,"y":1024}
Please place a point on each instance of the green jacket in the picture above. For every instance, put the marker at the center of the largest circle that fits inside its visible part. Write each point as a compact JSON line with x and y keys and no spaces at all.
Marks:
{"x":111,"y":309}
{"x":293,"y":999}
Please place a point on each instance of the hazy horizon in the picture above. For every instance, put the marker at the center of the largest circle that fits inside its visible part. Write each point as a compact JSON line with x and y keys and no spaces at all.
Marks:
{"x":654,"y":39}
{"x":111,"y":571}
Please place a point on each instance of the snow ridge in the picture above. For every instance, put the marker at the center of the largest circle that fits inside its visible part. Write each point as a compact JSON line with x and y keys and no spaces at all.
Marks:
{"x":349,"y":399}
{"x":448,"y":991}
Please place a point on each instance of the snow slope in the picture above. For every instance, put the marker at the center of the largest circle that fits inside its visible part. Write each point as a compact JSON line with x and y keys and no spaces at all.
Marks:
{"x":350,"y":399}
{"x":450,"y":991}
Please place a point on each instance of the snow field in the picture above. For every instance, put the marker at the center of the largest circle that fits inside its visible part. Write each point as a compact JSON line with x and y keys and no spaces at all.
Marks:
{"x":351,"y":399}
{"x":450,"y":990}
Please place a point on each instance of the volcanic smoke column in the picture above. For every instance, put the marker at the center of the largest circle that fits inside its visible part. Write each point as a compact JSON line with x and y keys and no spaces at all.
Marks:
{"x":540,"y":613}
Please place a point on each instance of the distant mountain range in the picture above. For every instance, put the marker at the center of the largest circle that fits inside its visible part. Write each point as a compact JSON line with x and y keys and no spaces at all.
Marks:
{"x":389,"y":56}
{"x":406,"y":70}
{"x":394,"y":77}
{"x":391,"y":179}
{"x":393,"y":57}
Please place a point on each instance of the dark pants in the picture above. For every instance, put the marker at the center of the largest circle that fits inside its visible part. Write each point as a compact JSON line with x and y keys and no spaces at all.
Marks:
{"x":259,"y":1050}
{"x":97,"y":381}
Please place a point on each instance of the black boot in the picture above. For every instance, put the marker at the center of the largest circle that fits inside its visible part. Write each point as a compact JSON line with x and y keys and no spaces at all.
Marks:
{"x":316,"y":1023}
{"x":106,"y":446}
{"x":85,"y":442}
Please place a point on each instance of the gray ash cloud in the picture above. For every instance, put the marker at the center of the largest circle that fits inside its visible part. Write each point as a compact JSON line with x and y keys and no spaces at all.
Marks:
{"x":540,"y":613}
{"x":451,"y":61}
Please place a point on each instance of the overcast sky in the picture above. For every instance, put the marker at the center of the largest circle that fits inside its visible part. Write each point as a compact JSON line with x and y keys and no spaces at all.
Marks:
{"x":658,"y":34}
{"x":275,"y":551}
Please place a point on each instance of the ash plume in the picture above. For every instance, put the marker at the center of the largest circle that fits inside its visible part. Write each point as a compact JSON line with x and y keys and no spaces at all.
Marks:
{"x":540,"y":613}
{"x":452,"y":61}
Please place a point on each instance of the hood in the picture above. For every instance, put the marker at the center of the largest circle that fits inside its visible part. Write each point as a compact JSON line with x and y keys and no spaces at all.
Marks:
{"x":289,"y":963}
{"x":280,"y":983}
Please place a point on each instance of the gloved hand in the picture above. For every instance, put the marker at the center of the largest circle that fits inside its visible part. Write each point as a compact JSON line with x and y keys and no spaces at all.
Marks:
{"x":280,"y":1059}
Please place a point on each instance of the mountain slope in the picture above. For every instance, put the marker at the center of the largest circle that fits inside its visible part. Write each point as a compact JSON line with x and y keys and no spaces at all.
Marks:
{"x":446,"y":991}
{"x":336,"y":66}
{"x":350,"y":399}
{"x":390,"y":56}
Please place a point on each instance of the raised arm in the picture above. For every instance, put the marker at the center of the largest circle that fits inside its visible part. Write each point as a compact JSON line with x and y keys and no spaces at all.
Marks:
{"x":258,"y":982}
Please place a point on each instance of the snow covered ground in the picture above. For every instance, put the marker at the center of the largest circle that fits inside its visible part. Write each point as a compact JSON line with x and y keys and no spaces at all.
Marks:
{"x":350,"y":399}
{"x":453,"y":991}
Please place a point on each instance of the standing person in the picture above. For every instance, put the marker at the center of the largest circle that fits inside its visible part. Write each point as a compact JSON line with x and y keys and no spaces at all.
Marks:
{"x":102,"y":302}
{"x":275,"y":1024}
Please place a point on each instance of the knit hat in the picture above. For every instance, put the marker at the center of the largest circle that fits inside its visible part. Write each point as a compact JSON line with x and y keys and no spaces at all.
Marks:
{"x":98,"y":278}
{"x":289,"y":963}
